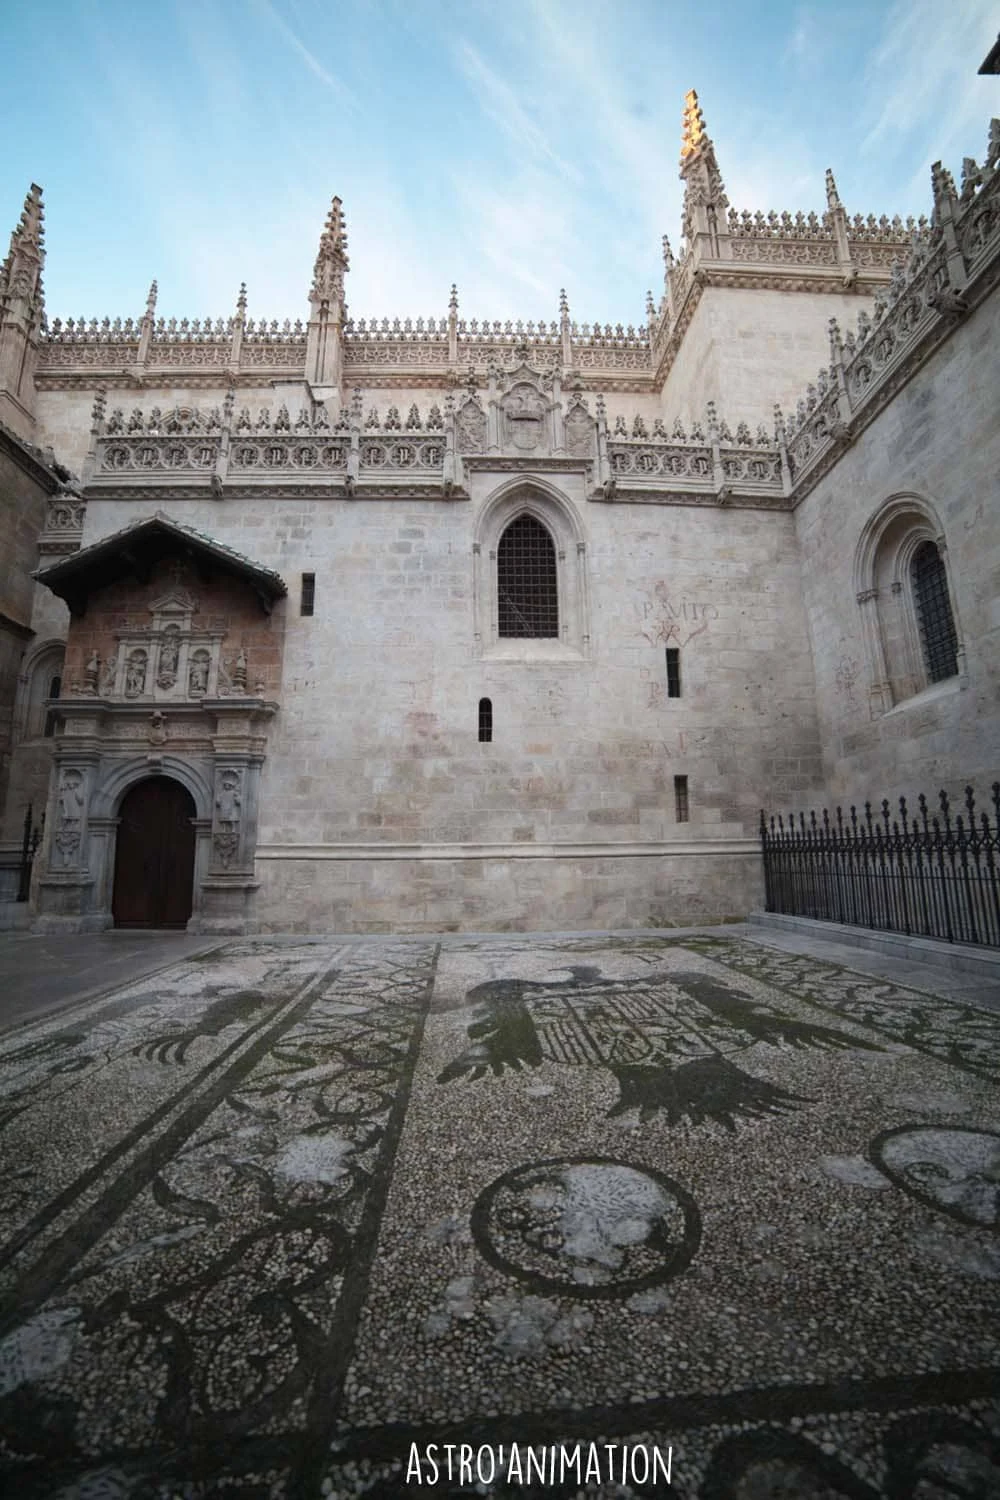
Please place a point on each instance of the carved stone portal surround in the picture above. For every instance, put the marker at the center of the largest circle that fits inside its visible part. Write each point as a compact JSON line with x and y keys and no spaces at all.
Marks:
{"x":214,"y":747}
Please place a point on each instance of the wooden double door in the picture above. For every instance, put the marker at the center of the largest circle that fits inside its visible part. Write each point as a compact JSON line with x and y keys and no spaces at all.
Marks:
{"x":154,"y":858}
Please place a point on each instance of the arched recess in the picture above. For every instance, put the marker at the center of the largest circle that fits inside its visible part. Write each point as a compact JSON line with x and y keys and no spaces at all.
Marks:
{"x":121,"y":775}
{"x":153,"y":883}
{"x":549,"y":507}
{"x":39,"y":681}
{"x":898,"y":662}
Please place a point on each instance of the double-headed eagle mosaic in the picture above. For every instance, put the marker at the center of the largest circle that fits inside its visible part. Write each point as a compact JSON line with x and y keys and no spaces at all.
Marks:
{"x":669,"y":1039}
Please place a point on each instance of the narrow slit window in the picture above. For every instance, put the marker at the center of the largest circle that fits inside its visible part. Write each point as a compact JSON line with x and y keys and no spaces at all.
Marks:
{"x":673,"y":672}
{"x":485,"y":721}
{"x":307,"y":604}
{"x":681,"y":806}
{"x":55,"y":689}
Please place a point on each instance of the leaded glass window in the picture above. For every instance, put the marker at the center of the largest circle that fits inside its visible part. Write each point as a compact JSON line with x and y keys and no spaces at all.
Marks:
{"x":934,"y":617}
{"x":527,"y":581}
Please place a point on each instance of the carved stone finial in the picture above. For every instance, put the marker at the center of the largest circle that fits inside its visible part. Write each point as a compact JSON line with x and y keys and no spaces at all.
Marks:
{"x":241,"y":302}
{"x":692,"y":126}
{"x":563,"y":304}
{"x":668,"y":254}
{"x":453,"y":299}
{"x":832,"y":196}
{"x":98,"y":408}
{"x":151,"y":300}
{"x":943,"y":188}
{"x":331,"y":261}
{"x":21,"y":272}
{"x":650,"y":307}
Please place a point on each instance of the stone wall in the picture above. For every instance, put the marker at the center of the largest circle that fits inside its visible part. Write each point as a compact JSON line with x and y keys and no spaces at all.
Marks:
{"x":24,"y":487}
{"x":747,"y":349}
{"x":376,"y":741}
{"x":938,"y":440}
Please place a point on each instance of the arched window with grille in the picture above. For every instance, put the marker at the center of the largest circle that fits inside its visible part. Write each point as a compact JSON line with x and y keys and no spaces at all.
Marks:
{"x":938,"y":640}
{"x":911,"y":630}
{"x":527,"y":581}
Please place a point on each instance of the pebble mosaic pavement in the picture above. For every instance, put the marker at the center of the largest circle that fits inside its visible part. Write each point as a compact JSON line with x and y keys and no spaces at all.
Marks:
{"x":276,"y":1215}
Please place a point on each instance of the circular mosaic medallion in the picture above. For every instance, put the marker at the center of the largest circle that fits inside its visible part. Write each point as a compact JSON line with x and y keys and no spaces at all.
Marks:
{"x":955,"y":1170}
{"x":587,"y":1226}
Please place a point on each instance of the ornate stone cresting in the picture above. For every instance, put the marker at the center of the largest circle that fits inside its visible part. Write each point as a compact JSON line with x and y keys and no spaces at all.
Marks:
{"x":950,"y":269}
{"x":22,"y":316}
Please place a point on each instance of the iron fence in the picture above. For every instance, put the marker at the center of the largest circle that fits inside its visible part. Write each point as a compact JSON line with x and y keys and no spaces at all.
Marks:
{"x":926,"y":874}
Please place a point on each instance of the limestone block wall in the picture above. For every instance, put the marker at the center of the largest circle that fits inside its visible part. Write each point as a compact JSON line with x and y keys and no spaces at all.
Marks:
{"x":939,"y":440}
{"x":746,"y":349}
{"x":377,"y":795}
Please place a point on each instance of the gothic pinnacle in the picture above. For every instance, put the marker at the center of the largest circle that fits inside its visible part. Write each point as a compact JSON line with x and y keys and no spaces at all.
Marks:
{"x":241,"y":301}
{"x":563,"y":304}
{"x":692,"y":126}
{"x":453,"y":299}
{"x":331,"y":259}
{"x":151,"y":300}
{"x":832,"y":196}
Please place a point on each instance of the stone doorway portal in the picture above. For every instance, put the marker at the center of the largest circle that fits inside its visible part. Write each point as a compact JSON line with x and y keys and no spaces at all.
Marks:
{"x":154,"y":858}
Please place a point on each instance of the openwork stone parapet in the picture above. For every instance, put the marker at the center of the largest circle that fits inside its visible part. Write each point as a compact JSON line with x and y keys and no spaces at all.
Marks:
{"x":950,"y":271}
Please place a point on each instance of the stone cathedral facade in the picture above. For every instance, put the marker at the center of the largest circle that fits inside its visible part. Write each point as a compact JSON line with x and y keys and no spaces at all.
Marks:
{"x":436,"y":623}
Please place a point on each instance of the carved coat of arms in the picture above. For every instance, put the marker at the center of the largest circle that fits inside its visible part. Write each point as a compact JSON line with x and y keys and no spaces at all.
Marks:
{"x":524,"y":414}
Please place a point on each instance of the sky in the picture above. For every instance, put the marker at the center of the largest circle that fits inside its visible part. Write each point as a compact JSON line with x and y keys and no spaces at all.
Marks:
{"x":513,"y":148}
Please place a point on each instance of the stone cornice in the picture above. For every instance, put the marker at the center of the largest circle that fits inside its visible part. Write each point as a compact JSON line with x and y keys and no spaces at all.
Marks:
{"x":726,"y":848}
{"x":30,"y":459}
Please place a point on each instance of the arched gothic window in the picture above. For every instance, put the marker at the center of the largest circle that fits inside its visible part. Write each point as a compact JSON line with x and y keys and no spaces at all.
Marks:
{"x":41,"y":680}
{"x":938,"y":641}
{"x":527,"y":581}
{"x":911,"y":633}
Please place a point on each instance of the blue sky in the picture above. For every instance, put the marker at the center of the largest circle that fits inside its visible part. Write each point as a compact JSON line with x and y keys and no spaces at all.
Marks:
{"x":514,"y":148}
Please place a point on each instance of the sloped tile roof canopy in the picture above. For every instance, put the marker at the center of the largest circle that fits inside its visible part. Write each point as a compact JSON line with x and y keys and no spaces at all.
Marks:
{"x":134,"y":551}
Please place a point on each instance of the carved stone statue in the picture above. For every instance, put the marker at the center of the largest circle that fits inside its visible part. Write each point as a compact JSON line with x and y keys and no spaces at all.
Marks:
{"x":229,"y":801}
{"x":169,"y":653}
{"x":198,"y":674}
{"x":135,"y":674}
{"x":91,"y":674}
{"x":69,"y":815}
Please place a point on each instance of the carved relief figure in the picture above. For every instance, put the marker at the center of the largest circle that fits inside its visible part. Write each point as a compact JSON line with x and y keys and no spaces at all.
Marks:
{"x":240,"y":672}
{"x":228,"y":805}
{"x":91,"y":674}
{"x":110,"y":673}
{"x":170,"y":648}
{"x":579,"y":431}
{"x":470,"y":427}
{"x":135,"y":674}
{"x":69,"y":815}
{"x":198,"y":674}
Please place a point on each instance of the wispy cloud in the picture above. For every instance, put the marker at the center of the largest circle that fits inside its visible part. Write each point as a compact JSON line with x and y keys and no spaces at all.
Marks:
{"x":500,"y":103}
{"x":804,"y":47}
{"x":922,"y":73}
{"x":311,"y":61}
